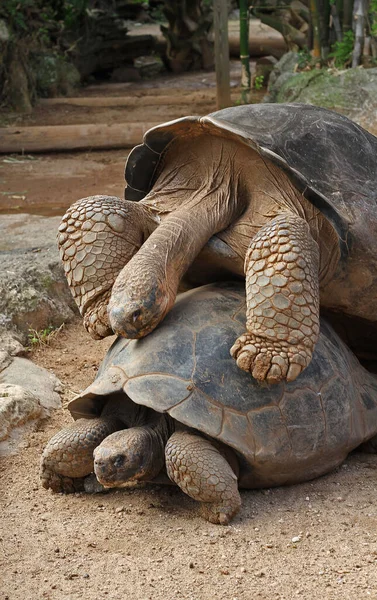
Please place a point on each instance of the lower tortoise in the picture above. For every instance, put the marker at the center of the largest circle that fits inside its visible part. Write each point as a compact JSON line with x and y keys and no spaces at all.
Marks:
{"x":176,"y":400}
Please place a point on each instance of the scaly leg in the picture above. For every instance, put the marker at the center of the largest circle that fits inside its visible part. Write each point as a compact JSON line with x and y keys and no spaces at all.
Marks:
{"x":97,"y":237}
{"x":202,"y":472}
{"x":68,"y":456}
{"x":282,"y":295}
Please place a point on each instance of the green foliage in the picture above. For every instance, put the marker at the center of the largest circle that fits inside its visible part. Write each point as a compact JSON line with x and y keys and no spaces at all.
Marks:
{"x":42,"y":337}
{"x":305,"y":59}
{"x":373,"y":17}
{"x":73,"y":12}
{"x":42,"y":19}
{"x":342,"y":51}
{"x":258,"y":82}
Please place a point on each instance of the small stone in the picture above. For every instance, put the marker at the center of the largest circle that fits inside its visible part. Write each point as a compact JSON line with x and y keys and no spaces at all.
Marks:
{"x":296,"y":539}
{"x":191,"y":565}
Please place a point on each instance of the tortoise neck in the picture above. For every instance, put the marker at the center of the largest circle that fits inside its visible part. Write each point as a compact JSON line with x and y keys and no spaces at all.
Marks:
{"x":175,"y":243}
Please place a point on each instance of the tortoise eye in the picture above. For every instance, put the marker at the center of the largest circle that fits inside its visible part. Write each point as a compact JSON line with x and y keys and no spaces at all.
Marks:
{"x":136,"y":314}
{"x":118,"y":461}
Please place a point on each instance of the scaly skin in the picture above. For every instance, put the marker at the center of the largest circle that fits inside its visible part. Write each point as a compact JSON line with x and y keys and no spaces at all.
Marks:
{"x":97,"y":237}
{"x":202,"y":472}
{"x":135,"y":454}
{"x":282,"y":295}
{"x":68,"y":456}
{"x":203,"y":188}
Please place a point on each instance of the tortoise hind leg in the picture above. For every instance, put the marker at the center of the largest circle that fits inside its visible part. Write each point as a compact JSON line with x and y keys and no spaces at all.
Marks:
{"x":197,"y":466}
{"x":97,"y":237}
{"x":68,"y":456}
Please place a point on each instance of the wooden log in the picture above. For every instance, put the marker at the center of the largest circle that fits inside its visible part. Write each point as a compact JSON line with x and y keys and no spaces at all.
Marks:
{"x":63,"y":138}
{"x":198,"y":98}
{"x":258,"y":46}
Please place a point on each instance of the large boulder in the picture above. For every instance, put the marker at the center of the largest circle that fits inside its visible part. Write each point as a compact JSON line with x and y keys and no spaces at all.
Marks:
{"x":17,"y":407}
{"x":352,"y":92}
{"x":27,"y":393}
{"x":33,"y":290}
{"x":33,"y":295}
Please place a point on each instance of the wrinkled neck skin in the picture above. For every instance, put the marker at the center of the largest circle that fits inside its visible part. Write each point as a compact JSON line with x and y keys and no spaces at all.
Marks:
{"x":202,"y":186}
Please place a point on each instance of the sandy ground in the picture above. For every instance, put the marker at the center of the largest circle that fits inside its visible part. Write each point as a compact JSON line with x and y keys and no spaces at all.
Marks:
{"x":315,"y":540}
{"x":312,"y":540}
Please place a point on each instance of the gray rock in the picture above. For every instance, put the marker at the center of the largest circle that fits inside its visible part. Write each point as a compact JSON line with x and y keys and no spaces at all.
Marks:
{"x":352,"y":92}
{"x":149,"y":66}
{"x":44,"y":386}
{"x":17,"y":407}
{"x":282,"y":71}
{"x":10,"y":344}
{"x":33,"y":290}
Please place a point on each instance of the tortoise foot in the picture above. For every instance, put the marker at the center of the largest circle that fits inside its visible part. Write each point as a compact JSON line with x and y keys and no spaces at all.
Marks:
{"x":197,"y":466}
{"x":96,"y":320}
{"x":270,"y":361}
{"x":219,"y":514}
{"x":60,"y":484}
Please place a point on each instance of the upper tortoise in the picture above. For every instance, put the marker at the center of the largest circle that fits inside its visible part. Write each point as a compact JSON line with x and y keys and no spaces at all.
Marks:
{"x":283,"y":194}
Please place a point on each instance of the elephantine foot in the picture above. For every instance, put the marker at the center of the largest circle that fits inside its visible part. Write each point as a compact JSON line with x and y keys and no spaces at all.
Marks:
{"x":270,"y":361}
{"x":220,"y":514}
{"x":197,"y":466}
{"x":61,"y":484}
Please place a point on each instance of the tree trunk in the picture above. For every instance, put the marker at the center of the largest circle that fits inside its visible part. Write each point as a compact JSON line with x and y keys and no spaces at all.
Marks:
{"x":244,"y":51}
{"x":336,"y":22}
{"x":292,"y":36}
{"x":220,"y":23}
{"x":347,"y":15}
{"x":359,"y":30}
{"x":187,"y":36}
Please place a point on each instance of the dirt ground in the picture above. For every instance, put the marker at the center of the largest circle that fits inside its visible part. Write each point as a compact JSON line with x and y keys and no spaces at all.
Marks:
{"x":317,"y":539}
{"x":314,"y":540}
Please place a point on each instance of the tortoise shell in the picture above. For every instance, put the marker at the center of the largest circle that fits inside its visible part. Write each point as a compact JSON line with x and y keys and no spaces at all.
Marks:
{"x":284,"y":433}
{"x":331,"y":159}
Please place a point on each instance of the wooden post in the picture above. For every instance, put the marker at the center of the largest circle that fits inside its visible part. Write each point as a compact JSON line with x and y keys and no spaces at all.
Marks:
{"x":244,"y":51}
{"x":220,"y":16}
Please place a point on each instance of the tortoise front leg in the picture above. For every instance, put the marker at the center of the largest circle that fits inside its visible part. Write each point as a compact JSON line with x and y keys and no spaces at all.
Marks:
{"x":282,"y":295}
{"x":68,"y":456}
{"x":202,"y":472}
{"x":97,"y":237}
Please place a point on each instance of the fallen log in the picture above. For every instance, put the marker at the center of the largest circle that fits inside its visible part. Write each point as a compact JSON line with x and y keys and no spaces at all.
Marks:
{"x":63,"y":138}
{"x":258,"y":46}
{"x":199,"y":98}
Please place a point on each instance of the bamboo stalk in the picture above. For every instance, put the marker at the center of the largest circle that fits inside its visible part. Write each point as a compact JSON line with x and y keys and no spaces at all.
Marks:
{"x":359,"y":28}
{"x":316,"y":52}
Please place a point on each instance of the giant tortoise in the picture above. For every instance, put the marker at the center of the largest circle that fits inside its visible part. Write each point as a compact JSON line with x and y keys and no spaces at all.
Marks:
{"x":284,"y":194}
{"x":177,"y":397}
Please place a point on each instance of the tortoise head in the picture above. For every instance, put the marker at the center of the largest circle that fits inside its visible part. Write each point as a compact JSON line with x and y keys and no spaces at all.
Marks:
{"x":125,"y":456}
{"x":140,"y":298}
